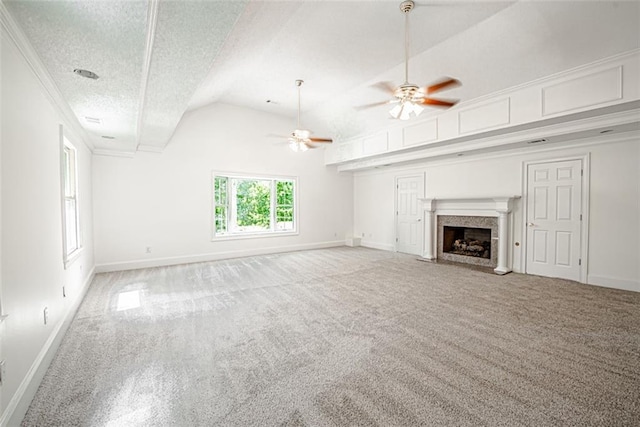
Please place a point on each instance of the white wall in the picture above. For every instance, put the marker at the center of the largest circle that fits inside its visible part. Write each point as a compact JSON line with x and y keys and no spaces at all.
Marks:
{"x":32,"y":264}
{"x":164,"y":200}
{"x":614,"y":214}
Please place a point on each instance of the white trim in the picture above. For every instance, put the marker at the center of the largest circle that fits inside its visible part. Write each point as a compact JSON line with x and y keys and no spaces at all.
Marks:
{"x":149,"y":149}
{"x":32,"y":59}
{"x":113,"y":153}
{"x":19,"y":403}
{"x":613,"y":282}
{"x":216,"y":256}
{"x":580,"y":128}
{"x":376,"y":245}
{"x":152,"y":19}
{"x":585,"y":161}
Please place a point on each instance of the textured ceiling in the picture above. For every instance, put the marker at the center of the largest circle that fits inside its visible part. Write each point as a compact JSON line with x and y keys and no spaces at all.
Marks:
{"x":157,"y":59}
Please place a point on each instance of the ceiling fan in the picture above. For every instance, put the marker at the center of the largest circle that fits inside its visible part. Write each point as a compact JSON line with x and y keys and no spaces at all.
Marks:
{"x":409,"y":97}
{"x":301,"y":139}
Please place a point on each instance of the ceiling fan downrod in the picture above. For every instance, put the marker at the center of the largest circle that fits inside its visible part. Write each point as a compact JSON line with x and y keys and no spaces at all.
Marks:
{"x":406,"y":7}
{"x":299,"y":84}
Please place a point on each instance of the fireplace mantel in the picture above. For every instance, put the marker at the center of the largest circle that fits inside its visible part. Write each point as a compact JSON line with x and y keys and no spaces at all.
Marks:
{"x":470,"y":206}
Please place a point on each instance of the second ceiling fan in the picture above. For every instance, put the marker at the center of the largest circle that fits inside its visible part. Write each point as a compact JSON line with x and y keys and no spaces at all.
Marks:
{"x":301,"y":139}
{"x":409,"y":97}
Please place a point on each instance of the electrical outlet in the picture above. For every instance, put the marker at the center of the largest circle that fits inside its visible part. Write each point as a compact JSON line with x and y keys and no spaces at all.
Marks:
{"x":148,"y":249}
{"x":46,"y":315}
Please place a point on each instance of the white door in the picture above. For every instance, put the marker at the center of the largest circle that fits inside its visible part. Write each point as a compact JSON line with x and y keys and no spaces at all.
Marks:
{"x":409,"y":231}
{"x":554,"y":215}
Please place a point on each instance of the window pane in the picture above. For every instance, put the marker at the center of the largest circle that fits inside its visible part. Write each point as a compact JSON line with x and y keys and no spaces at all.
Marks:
{"x":71,"y":224}
{"x":284,"y":205}
{"x":220,"y":190}
{"x":253,"y":204}
{"x":67,"y":172}
{"x":221,"y":219}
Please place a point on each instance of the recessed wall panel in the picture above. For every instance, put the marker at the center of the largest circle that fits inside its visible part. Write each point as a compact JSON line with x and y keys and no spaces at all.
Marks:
{"x":540,"y":246}
{"x":563,"y":203}
{"x":487,"y":116}
{"x":541,"y":202}
{"x":420,"y":133}
{"x":583,"y":92}
{"x":375,"y":144}
{"x":563,"y":248}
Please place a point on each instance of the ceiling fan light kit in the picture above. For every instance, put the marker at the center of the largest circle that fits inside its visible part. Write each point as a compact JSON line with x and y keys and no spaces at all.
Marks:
{"x":409,"y":97}
{"x":301,"y":139}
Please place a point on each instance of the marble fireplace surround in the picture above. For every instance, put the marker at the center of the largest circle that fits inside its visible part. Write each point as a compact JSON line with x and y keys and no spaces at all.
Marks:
{"x":499,"y":207}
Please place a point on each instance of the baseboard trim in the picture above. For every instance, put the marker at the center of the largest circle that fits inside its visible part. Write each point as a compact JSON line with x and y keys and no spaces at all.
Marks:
{"x":19,"y":404}
{"x":187,"y":259}
{"x":376,"y":245}
{"x":613,"y":282}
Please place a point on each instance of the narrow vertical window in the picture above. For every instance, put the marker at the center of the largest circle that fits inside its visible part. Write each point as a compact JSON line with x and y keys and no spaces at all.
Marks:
{"x":70,"y":214}
{"x":284,"y":205}
{"x":221,"y":204}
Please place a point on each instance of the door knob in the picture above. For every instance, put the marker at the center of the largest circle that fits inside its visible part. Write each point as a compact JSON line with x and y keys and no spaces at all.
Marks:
{"x":419,"y":219}
{"x":530,"y":224}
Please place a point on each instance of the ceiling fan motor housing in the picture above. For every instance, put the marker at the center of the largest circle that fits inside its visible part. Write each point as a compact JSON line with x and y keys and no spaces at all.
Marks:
{"x":407,"y":6}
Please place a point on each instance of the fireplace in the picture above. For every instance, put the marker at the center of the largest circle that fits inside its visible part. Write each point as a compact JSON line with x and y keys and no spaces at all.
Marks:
{"x":489,"y":213}
{"x":467,"y":241}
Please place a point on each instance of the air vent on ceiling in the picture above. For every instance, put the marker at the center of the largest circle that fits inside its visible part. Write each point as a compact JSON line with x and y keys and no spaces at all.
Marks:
{"x":537,"y":141}
{"x":93,"y":120}
{"x":108,"y":137}
{"x":86,"y":73}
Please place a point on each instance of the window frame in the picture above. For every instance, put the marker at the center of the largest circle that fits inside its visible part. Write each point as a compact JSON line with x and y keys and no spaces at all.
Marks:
{"x":272,"y":231}
{"x":69,"y":170}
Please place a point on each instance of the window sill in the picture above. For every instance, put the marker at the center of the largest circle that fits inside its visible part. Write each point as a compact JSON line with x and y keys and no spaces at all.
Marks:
{"x":72,"y":258}
{"x":242,"y":236}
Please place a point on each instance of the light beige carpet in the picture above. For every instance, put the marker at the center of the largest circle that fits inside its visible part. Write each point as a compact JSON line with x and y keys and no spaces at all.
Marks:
{"x":341,"y":337}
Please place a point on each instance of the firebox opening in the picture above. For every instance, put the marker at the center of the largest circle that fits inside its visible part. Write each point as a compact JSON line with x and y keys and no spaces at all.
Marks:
{"x":475,"y":242}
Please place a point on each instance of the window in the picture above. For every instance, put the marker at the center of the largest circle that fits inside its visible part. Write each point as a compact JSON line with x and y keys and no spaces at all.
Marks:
{"x":70,"y":214}
{"x":253,"y":205}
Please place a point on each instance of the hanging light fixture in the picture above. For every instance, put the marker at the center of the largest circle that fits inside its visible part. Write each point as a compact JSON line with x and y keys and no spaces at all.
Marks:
{"x":409,"y":94}
{"x":301,"y":139}
{"x":409,"y":99}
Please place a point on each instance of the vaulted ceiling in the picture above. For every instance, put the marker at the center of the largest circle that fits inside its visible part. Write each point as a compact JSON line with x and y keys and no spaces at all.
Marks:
{"x":158,"y":59}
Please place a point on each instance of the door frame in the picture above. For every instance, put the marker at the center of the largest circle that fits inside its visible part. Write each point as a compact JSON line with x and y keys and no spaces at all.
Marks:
{"x":584,"y":226}
{"x":422,"y":176}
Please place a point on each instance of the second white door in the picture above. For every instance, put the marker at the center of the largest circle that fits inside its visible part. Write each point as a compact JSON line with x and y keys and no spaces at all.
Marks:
{"x":554,"y":215}
{"x":409,"y":225}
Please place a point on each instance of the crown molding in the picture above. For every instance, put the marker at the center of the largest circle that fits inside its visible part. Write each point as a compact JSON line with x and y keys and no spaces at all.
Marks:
{"x":152,"y":22}
{"x":150,"y":149}
{"x":29,"y":54}
{"x":113,"y":153}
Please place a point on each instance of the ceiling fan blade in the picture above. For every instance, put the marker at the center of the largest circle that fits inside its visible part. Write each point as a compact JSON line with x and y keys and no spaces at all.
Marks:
{"x":385,"y":87}
{"x":442,"y":84}
{"x":375,"y":104}
{"x":327,"y":140}
{"x":439,"y":102}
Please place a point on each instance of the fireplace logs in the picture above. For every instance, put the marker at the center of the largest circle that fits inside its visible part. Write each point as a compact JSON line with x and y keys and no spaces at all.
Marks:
{"x":471,"y":248}
{"x":468,"y":241}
